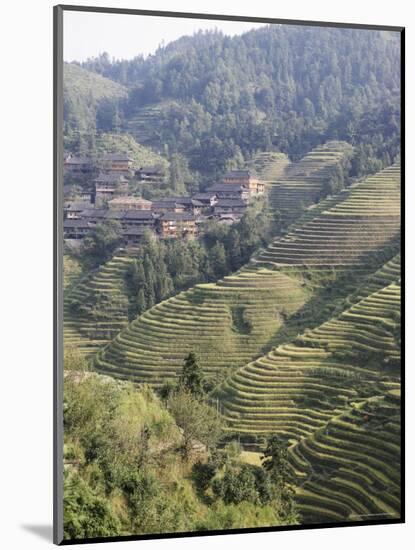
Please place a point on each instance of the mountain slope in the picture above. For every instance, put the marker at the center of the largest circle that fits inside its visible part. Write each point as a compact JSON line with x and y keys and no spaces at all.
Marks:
{"x":298,"y":386}
{"x":213,"y":97}
{"x":242,"y":316}
{"x":83,"y":93}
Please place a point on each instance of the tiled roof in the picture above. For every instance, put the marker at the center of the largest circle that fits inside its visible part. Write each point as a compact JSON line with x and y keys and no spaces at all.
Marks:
{"x":177,"y":216}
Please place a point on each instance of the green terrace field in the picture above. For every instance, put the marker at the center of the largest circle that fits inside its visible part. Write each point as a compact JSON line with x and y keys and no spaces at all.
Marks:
{"x":301,"y":183}
{"x":364,"y":220}
{"x":349,"y":469}
{"x":300,"y":385}
{"x":243,"y":316}
{"x":225,"y":324}
{"x":145,"y":125}
{"x":270,"y":166}
{"x":333,"y":394}
{"x":96,"y":307}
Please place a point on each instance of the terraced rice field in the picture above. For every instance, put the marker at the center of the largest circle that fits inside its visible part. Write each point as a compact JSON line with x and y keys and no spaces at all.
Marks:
{"x":225,"y":324}
{"x":301,"y":183}
{"x":349,"y":469}
{"x":269,"y":166}
{"x":96,"y":308}
{"x":334,"y":394}
{"x":296,"y":388}
{"x":145,"y":124}
{"x":232,"y":322}
{"x":364,"y":220}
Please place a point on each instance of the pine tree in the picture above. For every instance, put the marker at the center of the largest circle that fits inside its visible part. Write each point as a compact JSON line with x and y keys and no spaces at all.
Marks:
{"x":191,"y":378}
{"x":141,"y":301}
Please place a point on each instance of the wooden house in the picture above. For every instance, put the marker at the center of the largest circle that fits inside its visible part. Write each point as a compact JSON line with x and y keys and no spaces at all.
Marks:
{"x":78,"y":165}
{"x":150,"y":174}
{"x":245,"y":178}
{"x":232,"y":206}
{"x":138,"y":218}
{"x":175,"y":224}
{"x":93,"y":215}
{"x":230,"y":191}
{"x":109,"y":186}
{"x":75,"y":229}
{"x":117,"y":163}
{"x":207,"y":199}
{"x":133,"y":235}
{"x":129,"y":203}
{"x":73,"y":209}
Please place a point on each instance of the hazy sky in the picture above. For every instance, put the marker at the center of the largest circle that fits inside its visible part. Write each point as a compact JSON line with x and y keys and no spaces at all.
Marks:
{"x":125,"y":36}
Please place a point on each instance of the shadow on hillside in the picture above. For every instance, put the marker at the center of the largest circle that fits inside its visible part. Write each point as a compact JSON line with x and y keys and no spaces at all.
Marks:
{"x":328,"y":299}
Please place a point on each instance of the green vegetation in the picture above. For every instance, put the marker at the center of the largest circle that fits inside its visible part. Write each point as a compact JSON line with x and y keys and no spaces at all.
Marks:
{"x":249,"y":377}
{"x":218,"y":100}
{"x":128,"y":284}
{"x":124,"y":143}
{"x":83,"y":93}
{"x":354,"y":231}
{"x":126,"y":472}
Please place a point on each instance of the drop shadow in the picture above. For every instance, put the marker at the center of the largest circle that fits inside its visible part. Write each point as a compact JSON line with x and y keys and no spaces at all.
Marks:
{"x":44,"y":532}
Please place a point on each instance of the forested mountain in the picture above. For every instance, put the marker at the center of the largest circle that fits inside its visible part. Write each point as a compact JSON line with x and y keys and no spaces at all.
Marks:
{"x":86,"y":96}
{"x":218,"y":99}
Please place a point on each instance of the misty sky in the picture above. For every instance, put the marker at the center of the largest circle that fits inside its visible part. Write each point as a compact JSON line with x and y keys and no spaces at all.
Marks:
{"x":125,"y":36}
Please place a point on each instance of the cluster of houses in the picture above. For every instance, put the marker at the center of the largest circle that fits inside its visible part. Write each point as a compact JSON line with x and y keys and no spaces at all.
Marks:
{"x":169,"y":217}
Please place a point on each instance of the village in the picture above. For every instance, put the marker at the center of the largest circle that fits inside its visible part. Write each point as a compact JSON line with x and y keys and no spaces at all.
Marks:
{"x":169,"y":217}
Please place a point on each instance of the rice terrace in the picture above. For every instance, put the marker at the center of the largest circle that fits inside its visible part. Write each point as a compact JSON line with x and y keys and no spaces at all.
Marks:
{"x":232,"y":283}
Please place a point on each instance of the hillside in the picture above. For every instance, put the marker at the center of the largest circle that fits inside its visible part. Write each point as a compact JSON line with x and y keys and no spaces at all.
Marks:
{"x":125,"y":143}
{"x":84,"y":92}
{"x":288,"y":286}
{"x":301,"y":184}
{"x":299,"y":385}
{"x":349,"y":469}
{"x":96,"y":308}
{"x":333,"y":393}
{"x":125,"y":471}
{"x":364,"y":220}
{"x":213,"y":97}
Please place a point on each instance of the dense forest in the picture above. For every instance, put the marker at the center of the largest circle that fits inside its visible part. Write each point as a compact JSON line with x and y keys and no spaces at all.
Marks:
{"x":217,"y":100}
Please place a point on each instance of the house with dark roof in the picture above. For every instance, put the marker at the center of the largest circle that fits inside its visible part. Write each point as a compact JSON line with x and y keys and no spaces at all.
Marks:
{"x":134,"y":235}
{"x":73,"y":209}
{"x":138,"y":218}
{"x":230,"y":191}
{"x":109,"y":186}
{"x":78,"y":165}
{"x":226,"y":206}
{"x":177,"y":224}
{"x":177,"y":204}
{"x":245,"y":178}
{"x":117,"y":163}
{"x":129,"y":203}
{"x":93,"y":215}
{"x":207,"y":199}
{"x":76,"y":229}
{"x":150,"y":173}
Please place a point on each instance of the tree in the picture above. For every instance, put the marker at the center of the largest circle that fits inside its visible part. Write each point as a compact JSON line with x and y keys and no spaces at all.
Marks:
{"x":275,"y":462}
{"x":100,"y":243}
{"x":85,"y":514}
{"x":238,"y":486}
{"x":192,"y":379}
{"x":217,"y":257}
{"x":141,"y":301}
{"x":198,"y":421}
{"x":178,"y":172}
